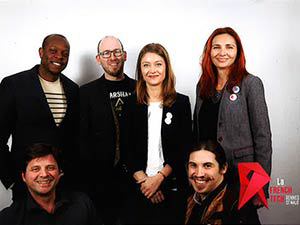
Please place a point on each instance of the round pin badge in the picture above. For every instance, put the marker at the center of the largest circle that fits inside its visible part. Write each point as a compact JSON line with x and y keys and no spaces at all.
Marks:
{"x":233,"y":97}
{"x":236,"y":89}
{"x":169,"y":115}
{"x":168,"y":121}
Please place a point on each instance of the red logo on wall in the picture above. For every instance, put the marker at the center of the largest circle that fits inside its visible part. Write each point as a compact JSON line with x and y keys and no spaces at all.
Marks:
{"x":254,"y":184}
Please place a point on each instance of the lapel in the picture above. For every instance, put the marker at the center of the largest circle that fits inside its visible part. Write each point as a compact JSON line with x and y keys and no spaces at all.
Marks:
{"x":163,"y":124}
{"x":222,"y":107}
{"x":140,"y":122}
{"x":39,"y":94}
{"x":143,"y":114}
{"x":198,"y":104}
{"x":167,"y":122}
{"x":102,"y":92}
{"x":68,"y":92}
{"x":216,"y":206}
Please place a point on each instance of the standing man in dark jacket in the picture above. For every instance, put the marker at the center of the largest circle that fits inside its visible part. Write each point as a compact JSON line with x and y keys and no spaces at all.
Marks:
{"x":38,"y":105}
{"x":101,"y":110}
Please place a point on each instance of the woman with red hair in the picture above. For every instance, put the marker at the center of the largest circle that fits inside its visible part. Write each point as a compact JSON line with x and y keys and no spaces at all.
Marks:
{"x":230,"y":105}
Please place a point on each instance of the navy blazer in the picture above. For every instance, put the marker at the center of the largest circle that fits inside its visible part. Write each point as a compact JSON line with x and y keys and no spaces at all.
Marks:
{"x":25,"y":114}
{"x":243,"y":128}
{"x":175,"y":137}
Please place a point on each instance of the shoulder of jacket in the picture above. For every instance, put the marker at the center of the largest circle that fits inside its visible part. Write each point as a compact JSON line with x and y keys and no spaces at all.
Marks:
{"x":92,"y":84}
{"x":129,"y":78}
{"x":181,"y":96}
{"x":131,"y":82}
{"x":251,"y":82}
{"x":182,"y":99}
{"x":10,"y":211}
{"x":250,"y":78}
{"x":68,"y":81}
{"x":20,"y":76}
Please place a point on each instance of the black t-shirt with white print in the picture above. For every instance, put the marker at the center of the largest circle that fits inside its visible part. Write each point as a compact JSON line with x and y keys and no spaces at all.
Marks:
{"x":118,"y":91}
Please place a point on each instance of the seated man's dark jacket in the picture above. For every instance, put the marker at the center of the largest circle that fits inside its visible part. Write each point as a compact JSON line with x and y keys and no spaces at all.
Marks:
{"x":72,"y":208}
{"x":25,"y":114}
{"x":220,"y":207}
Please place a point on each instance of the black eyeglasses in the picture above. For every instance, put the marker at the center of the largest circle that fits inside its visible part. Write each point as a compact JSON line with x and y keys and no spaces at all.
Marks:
{"x":107,"y":53}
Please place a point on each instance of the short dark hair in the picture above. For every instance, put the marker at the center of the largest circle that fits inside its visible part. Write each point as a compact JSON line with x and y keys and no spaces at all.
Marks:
{"x":46,"y":39}
{"x":38,"y":150}
{"x":213,"y":147}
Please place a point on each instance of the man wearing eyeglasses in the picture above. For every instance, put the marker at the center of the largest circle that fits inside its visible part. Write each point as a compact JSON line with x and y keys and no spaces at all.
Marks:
{"x":101,"y":110}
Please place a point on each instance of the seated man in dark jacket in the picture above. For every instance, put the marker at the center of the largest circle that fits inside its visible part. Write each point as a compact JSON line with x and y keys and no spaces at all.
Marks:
{"x":44,"y":204}
{"x":213,"y":200}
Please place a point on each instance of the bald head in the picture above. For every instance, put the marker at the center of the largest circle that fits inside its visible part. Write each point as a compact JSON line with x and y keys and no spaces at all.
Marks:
{"x":111,"y":56}
{"x":109,"y":41}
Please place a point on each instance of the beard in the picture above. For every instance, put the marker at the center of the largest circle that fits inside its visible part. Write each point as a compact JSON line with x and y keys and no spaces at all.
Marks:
{"x":114,"y":72}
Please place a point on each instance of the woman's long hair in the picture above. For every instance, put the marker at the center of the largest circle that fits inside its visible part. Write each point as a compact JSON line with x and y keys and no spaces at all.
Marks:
{"x":168,"y":86}
{"x":209,"y":78}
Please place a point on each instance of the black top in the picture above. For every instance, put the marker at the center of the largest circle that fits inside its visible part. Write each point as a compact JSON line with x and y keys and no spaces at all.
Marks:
{"x":97,"y":125}
{"x":98,"y":147}
{"x":118,"y":92}
{"x":71,"y":209}
{"x":175,"y":136}
{"x":208,"y":118}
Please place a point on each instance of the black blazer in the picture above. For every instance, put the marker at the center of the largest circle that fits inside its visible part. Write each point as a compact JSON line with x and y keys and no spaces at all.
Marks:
{"x":97,"y":129}
{"x":26,"y":116}
{"x":175,"y":137}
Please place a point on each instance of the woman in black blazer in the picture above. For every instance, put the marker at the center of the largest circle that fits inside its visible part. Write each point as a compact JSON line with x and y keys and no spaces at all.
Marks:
{"x":160,"y":131}
{"x":230,"y":105}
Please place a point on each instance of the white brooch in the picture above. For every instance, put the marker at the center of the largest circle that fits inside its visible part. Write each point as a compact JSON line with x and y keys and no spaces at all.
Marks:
{"x":236,"y":89}
{"x":168,"y":118}
{"x":233,"y":97}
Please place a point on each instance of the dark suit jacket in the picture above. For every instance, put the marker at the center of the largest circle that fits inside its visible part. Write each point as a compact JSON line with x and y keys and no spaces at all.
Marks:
{"x":26,"y":116}
{"x":243,"y":128}
{"x":98,"y":132}
{"x":175,"y":137}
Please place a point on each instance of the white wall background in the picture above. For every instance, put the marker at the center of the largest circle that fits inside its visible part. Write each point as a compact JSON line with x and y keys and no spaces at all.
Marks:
{"x":268,"y":29}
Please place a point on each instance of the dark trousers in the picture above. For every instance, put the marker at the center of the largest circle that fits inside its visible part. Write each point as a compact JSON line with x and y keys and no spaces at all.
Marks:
{"x":112,"y":197}
{"x":170,"y":211}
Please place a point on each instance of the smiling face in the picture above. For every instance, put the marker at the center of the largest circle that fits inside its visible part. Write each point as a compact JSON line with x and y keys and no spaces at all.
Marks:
{"x":54,"y":56}
{"x":41,"y":176}
{"x":153,"y":68}
{"x":223,"y":52}
{"x":204,"y":172}
{"x":113,"y":66}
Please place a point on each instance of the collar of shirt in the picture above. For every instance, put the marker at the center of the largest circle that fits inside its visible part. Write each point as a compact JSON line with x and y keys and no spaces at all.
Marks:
{"x":212,"y":195}
{"x":32,"y":205}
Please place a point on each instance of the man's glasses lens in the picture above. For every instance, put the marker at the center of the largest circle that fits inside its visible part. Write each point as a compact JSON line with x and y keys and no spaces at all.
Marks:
{"x":107,"y":53}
